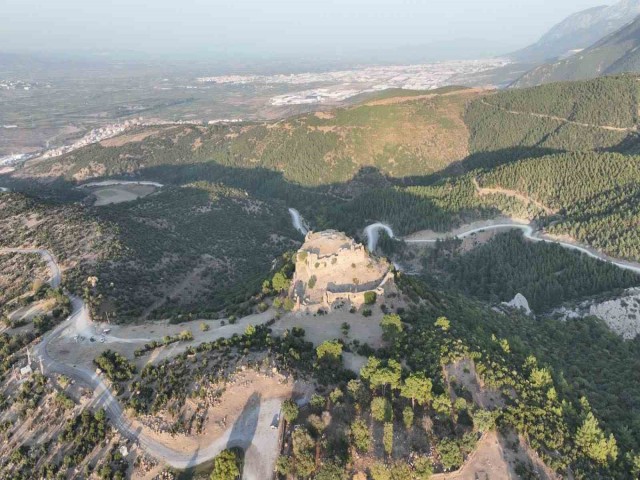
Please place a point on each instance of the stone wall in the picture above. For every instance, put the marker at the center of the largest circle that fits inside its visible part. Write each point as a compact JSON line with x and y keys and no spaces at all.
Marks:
{"x":356,"y":299}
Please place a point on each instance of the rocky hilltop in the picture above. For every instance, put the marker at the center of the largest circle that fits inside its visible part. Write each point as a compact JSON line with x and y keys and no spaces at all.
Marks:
{"x":332,"y":269}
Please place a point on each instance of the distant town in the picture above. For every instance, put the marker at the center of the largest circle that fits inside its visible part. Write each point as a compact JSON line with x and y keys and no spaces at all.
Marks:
{"x":337,"y":86}
{"x":21,"y":85}
{"x":99,"y":134}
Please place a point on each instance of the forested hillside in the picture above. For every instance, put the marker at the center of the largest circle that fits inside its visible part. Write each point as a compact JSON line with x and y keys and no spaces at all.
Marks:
{"x":591,"y":115}
{"x":350,"y":167}
{"x":401,"y":136}
{"x":195,"y":249}
{"x":583,"y":357}
{"x":71,"y":233}
{"x":611,"y":101}
{"x":545,"y":273}
{"x":596,"y":196}
{"x":213,"y":239}
{"x":404,"y":407}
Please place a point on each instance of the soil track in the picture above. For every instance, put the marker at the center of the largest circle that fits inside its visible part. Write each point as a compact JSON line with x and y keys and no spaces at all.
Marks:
{"x":561,"y":119}
{"x":482,"y":191}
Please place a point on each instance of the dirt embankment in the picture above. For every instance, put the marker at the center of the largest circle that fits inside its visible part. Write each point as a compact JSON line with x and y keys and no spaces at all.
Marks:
{"x":496,"y":457}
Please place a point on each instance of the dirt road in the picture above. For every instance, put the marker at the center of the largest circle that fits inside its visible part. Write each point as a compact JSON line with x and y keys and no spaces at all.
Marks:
{"x":481,"y":191}
{"x":561,"y":119}
{"x":533,"y":235}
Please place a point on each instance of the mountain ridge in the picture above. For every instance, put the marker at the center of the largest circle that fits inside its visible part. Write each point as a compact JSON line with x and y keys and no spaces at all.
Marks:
{"x":616,"y":53}
{"x":578,"y":31}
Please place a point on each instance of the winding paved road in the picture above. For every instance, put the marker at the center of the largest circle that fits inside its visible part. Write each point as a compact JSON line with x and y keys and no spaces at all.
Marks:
{"x":372,"y":234}
{"x":298,"y":222}
{"x":258,"y":434}
{"x":536,"y":236}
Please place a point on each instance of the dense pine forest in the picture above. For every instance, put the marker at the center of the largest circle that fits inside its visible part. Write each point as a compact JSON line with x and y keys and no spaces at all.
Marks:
{"x":539,"y":121}
{"x":545,"y":273}
{"x":595,"y":195}
{"x":611,"y":101}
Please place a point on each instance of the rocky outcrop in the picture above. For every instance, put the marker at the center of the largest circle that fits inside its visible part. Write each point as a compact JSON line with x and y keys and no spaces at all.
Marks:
{"x":519,"y":302}
{"x":621,"y":314}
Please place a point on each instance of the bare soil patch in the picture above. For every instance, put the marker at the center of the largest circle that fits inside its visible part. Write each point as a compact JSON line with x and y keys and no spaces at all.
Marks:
{"x":463,"y":372}
{"x":319,"y":328}
{"x":246,"y":390}
{"x":496,"y":458}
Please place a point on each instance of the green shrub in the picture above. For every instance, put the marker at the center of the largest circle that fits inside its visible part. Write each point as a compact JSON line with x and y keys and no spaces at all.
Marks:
{"x":360,"y":435}
{"x":226,"y":466}
{"x":370,"y":298}
{"x":312,"y":281}
{"x":381,"y":409}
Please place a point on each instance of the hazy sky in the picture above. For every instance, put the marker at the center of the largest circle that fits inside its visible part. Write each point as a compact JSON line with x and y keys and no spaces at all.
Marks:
{"x":275,"y":27}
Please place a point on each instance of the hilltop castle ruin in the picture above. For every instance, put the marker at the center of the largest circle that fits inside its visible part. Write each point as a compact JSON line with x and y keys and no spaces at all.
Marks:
{"x":332,"y":268}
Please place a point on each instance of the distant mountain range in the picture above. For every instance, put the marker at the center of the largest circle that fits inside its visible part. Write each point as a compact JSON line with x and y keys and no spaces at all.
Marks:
{"x":615,"y":53}
{"x":579,"y":31}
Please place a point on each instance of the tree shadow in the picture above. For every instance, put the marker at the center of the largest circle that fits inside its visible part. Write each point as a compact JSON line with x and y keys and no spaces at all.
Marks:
{"x":520,"y":459}
{"x":244,"y":428}
{"x":193,"y":471}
